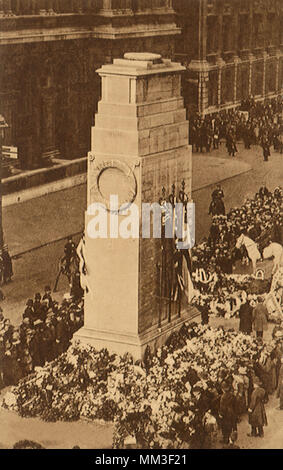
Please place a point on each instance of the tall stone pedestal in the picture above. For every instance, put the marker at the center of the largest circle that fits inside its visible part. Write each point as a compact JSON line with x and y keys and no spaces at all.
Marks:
{"x":139,"y":146}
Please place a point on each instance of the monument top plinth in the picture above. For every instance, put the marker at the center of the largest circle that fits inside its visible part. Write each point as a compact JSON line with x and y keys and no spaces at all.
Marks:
{"x":144,"y":56}
{"x":140,"y":63}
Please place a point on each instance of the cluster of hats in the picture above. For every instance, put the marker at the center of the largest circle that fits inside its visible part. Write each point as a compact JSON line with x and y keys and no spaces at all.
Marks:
{"x":258,"y":211}
{"x":8,"y":332}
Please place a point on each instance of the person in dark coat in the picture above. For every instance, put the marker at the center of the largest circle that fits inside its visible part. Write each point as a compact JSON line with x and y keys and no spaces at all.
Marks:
{"x":76,"y":291}
{"x":218,"y":193}
{"x":70,"y":251}
{"x":47,"y":296}
{"x":29,"y":311}
{"x":7,"y":265}
{"x":61,"y":336}
{"x":263,"y":192}
{"x":37,"y":306}
{"x":246,"y":318}
{"x":266,"y":150}
{"x":257,"y":415}
{"x":38,"y":349}
{"x":279,"y":393}
{"x":44,"y":310}
{"x":2,"y":356}
{"x":203,"y":308}
{"x":214,"y":234}
{"x":260,"y":318}
{"x":228,"y":412}
{"x":48,"y":338}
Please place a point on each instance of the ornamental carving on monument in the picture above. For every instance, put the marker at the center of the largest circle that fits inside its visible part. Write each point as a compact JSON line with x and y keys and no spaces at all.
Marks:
{"x":113,"y":177}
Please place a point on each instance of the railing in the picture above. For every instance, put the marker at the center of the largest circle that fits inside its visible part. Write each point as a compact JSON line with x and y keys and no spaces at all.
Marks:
{"x":10,"y":8}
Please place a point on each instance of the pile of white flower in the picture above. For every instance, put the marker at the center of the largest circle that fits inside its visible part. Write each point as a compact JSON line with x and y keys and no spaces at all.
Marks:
{"x":161,"y":404}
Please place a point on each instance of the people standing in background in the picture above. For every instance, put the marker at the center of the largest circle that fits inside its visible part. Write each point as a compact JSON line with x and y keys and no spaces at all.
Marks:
{"x":260,"y":317}
{"x":246,"y":318}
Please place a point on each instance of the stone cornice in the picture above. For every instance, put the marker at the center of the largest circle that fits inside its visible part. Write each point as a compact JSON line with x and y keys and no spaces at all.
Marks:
{"x":33,"y":36}
{"x":18,"y":30}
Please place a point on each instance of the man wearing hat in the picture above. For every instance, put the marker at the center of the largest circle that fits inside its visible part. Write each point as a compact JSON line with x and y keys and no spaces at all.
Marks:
{"x":47,"y":296}
{"x":38,"y":348}
{"x":228,"y":412}
{"x":48,"y":338}
{"x":44,"y":309}
{"x":260,"y":318}
{"x":29,"y":311}
{"x":61,"y":336}
{"x":246,"y":318}
{"x":257,"y":415}
{"x":70,"y":251}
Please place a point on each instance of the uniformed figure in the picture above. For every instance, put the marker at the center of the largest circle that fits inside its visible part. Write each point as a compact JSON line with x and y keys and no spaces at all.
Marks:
{"x":70,"y":251}
{"x":266,"y":149}
{"x":7,"y":265}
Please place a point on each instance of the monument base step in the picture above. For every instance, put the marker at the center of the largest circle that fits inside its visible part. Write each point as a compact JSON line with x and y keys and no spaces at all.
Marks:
{"x":121,"y":343}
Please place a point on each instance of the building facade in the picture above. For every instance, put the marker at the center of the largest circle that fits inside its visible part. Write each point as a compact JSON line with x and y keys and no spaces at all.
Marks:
{"x":50,"y":50}
{"x":232,"y":49}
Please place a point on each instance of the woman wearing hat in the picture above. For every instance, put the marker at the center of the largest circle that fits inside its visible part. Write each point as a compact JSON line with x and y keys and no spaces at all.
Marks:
{"x":257,"y":415}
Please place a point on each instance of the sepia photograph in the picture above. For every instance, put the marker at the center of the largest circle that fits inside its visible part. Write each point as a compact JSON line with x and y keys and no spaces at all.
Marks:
{"x":141,"y":229}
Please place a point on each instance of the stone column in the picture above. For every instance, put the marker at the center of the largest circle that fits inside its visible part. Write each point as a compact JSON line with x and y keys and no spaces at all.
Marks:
{"x":48,"y":144}
{"x":278,"y":57}
{"x":139,"y":145}
{"x":199,"y":67}
{"x":237,"y":62}
{"x":265,"y":57}
{"x":251,"y":61}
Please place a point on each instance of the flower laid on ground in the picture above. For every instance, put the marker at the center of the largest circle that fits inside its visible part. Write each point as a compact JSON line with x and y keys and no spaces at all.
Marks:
{"x":162,"y":406}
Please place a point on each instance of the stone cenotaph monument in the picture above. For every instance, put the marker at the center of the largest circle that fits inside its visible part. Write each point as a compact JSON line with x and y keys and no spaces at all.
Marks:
{"x":139,"y":150}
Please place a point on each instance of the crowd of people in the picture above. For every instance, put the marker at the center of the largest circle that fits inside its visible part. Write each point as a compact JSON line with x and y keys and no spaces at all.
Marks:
{"x":45,"y":332}
{"x":260,"y":218}
{"x":253,"y":122}
{"x":240,"y":391}
{"x":251,"y":389}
